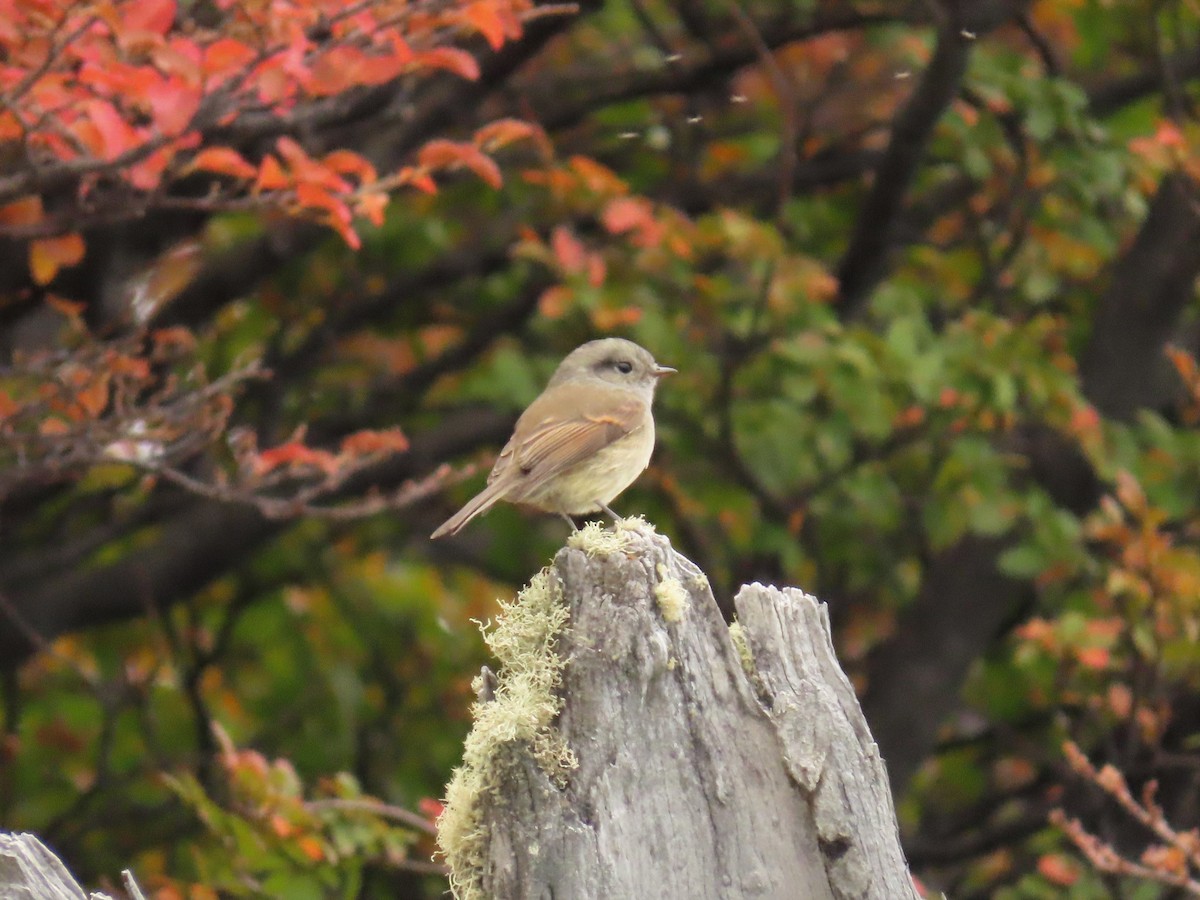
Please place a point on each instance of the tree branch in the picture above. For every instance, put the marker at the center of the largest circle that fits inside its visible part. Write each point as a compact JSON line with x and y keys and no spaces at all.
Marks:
{"x":864,"y":263}
{"x":204,"y":540}
{"x":1122,"y":367}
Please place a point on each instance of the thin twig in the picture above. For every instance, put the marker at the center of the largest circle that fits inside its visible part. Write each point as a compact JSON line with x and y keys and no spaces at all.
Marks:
{"x":377,"y":808}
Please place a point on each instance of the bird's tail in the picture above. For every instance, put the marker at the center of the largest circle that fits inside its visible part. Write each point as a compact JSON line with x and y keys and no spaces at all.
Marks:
{"x":480,"y":503}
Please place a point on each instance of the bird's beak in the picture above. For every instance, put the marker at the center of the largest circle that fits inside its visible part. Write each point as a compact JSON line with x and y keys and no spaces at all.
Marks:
{"x":660,"y":371}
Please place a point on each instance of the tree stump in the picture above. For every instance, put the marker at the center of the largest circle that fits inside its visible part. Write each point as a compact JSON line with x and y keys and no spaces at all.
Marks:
{"x":29,"y":871}
{"x":635,"y":746}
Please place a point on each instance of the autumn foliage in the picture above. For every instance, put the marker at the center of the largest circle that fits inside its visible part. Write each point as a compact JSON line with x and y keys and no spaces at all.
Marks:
{"x":277,"y":276}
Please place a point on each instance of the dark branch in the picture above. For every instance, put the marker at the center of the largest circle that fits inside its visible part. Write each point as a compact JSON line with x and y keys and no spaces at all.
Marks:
{"x":199,"y":544}
{"x":566,"y":102}
{"x":1123,"y":368}
{"x":865,"y":261}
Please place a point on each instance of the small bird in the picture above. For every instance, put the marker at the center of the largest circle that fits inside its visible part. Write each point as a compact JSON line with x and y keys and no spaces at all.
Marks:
{"x":585,"y":439}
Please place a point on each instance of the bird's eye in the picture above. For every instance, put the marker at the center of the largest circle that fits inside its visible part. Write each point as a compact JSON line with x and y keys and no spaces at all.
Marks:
{"x":624,"y":367}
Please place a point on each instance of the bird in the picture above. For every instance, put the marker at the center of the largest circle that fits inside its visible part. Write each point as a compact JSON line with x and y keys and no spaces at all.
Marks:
{"x":586,"y":437}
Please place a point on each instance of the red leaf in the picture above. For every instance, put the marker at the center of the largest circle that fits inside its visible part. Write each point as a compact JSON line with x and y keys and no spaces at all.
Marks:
{"x":485,"y":17}
{"x":417,"y":177}
{"x":222,"y":160}
{"x":305,"y":168}
{"x":1058,"y":869}
{"x":147,"y":174}
{"x":294,"y":454}
{"x":371,"y":206}
{"x":1168,"y":134}
{"x":8,"y":406}
{"x":625,"y":214}
{"x":364,"y":443}
{"x":48,"y":255}
{"x":347,"y":162}
{"x":567,"y":249}
{"x":109,"y":135}
{"x":449,"y":154}
{"x":225,"y":57}
{"x":155,"y":16}
{"x":173,"y":103}
{"x":93,"y":398}
{"x":452,"y":59}
{"x":271,"y":176}
{"x":25,"y":211}
{"x":553,"y":302}
{"x":1094,"y":657}
{"x":431,"y":808}
{"x":502,"y":132}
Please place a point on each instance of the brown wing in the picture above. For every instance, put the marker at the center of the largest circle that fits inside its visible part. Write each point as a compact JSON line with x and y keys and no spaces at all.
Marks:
{"x":562,"y":427}
{"x":565,"y":426}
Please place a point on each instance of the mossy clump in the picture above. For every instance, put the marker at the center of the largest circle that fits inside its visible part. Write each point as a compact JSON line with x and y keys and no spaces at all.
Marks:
{"x":524,"y":639}
{"x":672,"y":596}
{"x":738,"y":635}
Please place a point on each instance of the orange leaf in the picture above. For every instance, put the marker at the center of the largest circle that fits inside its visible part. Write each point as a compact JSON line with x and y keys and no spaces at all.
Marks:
{"x":371,"y":205}
{"x":626,"y":213}
{"x":271,"y":176}
{"x":485,"y":18}
{"x":498,"y":134}
{"x":173,"y":104}
{"x":294,"y":454}
{"x":554,"y":301}
{"x":48,"y":255}
{"x":8,"y":406}
{"x":452,"y":59}
{"x":597,"y":177}
{"x":312,"y":848}
{"x":93,"y":398}
{"x":281,"y":826}
{"x":105,"y":131}
{"x":1167,"y":134}
{"x":1059,"y":869}
{"x":224,"y":161}
{"x":597,"y":271}
{"x":567,"y":249}
{"x":347,"y":162}
{"x":1094,"y":657}
{"x":155,"y":16}
{"x":449,"y":154}
{"x":432,"y":809}
{"x":69,"y":309}
{"x":364,"y":443}
{"x":319,"y":198}
{"x":226,"y":57}
{"x":25,"y":211}
{"x":130,"y":366}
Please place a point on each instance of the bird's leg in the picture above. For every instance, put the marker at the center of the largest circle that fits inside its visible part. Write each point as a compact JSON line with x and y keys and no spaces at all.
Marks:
{"x":608,"y":509}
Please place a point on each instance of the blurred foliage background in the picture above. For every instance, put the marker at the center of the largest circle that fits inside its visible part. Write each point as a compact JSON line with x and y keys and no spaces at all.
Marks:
{"x":928,"y":272}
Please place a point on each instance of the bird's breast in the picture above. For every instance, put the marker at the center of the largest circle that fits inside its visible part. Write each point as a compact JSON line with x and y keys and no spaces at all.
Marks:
{"x":598,"y":479}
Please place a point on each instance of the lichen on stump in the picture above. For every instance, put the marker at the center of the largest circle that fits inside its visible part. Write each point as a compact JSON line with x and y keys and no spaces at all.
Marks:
{"x":634,"y":749}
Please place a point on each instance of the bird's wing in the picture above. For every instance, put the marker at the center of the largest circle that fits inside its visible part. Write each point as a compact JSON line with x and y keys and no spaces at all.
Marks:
{"x":548,"y":440}
{"x":545,"y":441}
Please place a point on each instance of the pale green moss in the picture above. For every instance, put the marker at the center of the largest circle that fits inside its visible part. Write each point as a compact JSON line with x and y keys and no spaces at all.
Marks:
{"x":596,"y":540}
{"x":673,"y":600}
{"x":636,"y":524}
{"x":738,"y":635}
{"x":524,"y":639}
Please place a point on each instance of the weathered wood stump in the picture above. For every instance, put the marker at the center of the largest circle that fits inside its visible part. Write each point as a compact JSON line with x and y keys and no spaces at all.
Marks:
{"x":29,"y":871}
{"x":635,"y":746}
